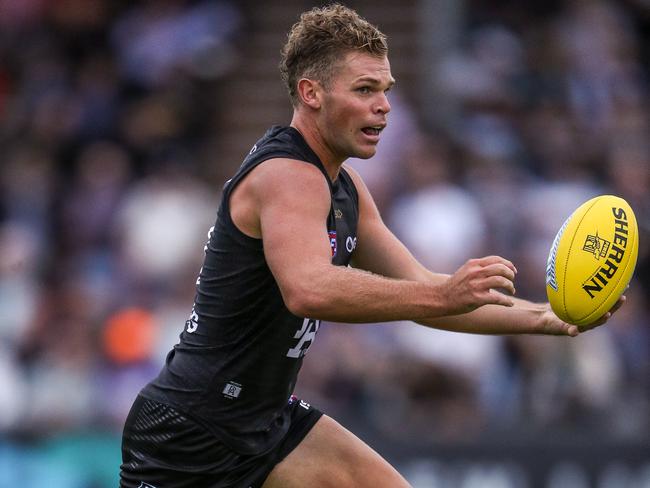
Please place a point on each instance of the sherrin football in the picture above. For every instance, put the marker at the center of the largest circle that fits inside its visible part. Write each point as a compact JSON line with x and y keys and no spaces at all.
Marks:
{"x":592,"y":260}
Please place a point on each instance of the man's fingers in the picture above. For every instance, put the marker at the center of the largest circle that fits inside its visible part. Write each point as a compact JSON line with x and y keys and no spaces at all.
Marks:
{"x":489,"y":260}
{"x":499,"y":269}
{"x":602,"y":320}
{"x":619,"y":303}
{"x":597,"y":323}
{"x":483,"y":281}
{"x":496,"y":298}
{"x":499,"y":282}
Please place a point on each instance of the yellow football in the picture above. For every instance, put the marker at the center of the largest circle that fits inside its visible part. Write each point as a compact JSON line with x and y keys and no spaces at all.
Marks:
{"x":592,"y":260}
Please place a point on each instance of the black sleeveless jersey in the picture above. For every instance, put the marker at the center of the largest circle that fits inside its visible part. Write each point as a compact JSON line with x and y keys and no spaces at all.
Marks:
{"x":238,"y":358}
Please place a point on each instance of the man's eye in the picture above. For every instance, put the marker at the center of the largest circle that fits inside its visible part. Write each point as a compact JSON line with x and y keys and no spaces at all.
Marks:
{"x":363,"y":89}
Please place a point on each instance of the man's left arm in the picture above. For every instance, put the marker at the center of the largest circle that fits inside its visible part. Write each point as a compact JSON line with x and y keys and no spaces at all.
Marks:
{"x":524,"y":317}
{"x":381,"y":252}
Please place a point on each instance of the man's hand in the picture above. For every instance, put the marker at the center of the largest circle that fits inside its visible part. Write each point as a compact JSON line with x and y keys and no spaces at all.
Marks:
{"x":473,"y":285}
{"x":552,"y":325}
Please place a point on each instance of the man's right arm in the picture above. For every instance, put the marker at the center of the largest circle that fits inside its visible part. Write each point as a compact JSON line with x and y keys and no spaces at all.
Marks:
{"x":292,"y":201}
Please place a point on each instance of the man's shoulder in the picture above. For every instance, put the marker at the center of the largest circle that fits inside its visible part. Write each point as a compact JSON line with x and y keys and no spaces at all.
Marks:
{"x":288,"y":172}
{"x":277,"y":142}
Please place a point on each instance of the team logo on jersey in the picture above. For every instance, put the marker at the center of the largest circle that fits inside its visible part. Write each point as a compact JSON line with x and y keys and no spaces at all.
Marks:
{"x":338,"y":213}
{"x":332,"y":234}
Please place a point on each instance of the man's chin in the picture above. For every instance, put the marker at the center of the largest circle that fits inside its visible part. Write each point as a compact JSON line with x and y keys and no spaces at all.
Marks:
{"x":366,"y":153}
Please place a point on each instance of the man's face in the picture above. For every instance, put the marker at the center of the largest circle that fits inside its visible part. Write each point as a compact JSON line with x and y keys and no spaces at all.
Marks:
{"x":355,"y":107}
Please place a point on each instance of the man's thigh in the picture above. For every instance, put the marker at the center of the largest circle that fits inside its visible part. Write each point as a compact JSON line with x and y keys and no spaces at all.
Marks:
{"x":331,"y":456}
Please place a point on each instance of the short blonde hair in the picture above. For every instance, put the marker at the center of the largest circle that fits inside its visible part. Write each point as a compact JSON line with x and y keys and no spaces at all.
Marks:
{"x":320,"y":39}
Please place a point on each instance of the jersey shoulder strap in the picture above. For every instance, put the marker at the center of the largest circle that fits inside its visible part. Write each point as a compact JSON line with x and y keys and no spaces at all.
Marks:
{"x":277,"y":142}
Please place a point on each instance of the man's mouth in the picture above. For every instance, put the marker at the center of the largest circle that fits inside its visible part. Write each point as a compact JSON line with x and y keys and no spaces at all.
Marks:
{"x":372,"y":131}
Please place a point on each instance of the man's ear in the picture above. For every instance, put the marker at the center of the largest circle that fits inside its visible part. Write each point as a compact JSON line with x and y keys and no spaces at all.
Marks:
{"x":310,"y":92}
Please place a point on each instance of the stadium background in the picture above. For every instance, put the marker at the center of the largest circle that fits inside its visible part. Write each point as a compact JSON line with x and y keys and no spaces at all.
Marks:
{"x":119,"y":123}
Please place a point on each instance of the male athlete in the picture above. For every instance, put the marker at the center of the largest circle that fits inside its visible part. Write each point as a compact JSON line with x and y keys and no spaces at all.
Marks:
{"x":221,"y":413}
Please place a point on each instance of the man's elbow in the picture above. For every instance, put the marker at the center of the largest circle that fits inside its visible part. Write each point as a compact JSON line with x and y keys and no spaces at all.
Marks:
{"x":305,"y":301}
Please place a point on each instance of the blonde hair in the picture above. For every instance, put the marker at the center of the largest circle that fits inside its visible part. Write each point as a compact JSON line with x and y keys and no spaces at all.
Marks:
{"x":320,"y":39}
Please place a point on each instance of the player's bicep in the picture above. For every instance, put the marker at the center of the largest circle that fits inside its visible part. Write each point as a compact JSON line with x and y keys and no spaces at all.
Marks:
{"x":294,"y":201}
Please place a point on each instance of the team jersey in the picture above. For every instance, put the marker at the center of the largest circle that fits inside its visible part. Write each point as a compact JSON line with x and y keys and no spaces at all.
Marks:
{"x":236,"y":364}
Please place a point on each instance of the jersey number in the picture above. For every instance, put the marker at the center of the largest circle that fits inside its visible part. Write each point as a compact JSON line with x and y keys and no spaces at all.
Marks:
{"x":306,"y":334}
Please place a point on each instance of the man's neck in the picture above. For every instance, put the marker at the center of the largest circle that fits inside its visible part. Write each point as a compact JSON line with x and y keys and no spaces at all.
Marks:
{"x":316,"y":142}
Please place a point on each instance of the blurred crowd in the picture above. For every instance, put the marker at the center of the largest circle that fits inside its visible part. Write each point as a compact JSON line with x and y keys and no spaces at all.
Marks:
{"x":107,"y":193}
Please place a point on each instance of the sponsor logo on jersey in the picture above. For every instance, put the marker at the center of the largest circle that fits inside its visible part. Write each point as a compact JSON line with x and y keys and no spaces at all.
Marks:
{"x":338,"y":213}
{"x":145,"y":485}
{"x":351,"y":243}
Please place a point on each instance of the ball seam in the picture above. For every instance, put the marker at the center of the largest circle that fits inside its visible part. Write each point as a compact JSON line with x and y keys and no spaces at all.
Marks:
{"x":568,"y":254}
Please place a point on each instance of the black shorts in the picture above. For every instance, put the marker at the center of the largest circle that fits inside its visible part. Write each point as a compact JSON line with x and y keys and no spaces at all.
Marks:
{"x":163,"y":448}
